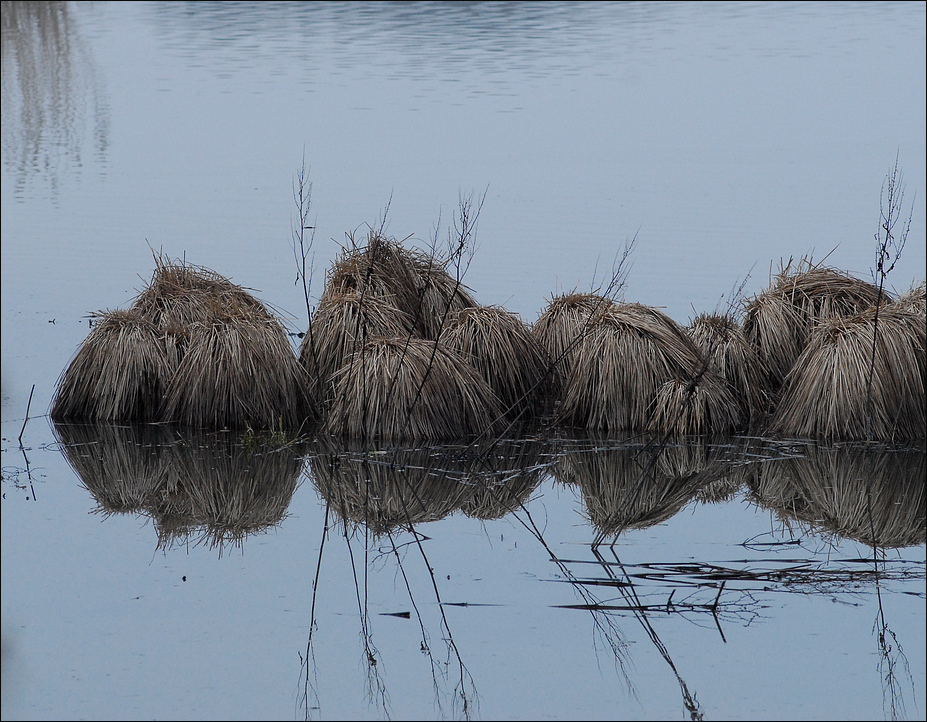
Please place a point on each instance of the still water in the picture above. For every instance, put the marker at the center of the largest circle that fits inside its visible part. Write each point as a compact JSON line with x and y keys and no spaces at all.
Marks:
{"x":152,"y":577}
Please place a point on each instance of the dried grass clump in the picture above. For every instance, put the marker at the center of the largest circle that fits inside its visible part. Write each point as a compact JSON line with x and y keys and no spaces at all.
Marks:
{"x":417,"y":284}
{"x":194,"y":349}
{"x":499,"y":345}
{"x":827,"y":395}
{"x":563,"y":326}
{"x":705,"y":406}
{"x":119,"y":373}
{"x":874,"y":496}
{"x":914,"y":300}
{"x":631,"y":351}
{"x":238,"y":374}
{"x":778,"y":320}
{"x":410,"y":388}
{"x":721,"y":340}
{"x":342,"y":324}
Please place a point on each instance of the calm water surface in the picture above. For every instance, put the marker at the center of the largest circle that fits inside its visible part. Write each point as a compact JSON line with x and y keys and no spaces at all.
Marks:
{"x":170,"y":577}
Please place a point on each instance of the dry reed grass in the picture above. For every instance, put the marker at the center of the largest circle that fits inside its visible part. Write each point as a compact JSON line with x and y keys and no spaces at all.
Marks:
{"x":722,"y":341}
{"x":119,"y":373}
{"x":630,"y":353}
{"x":873,"y":496}
{"x":914,"y":300}
{"x":341,"y":325}
{"x":410,"y":388}
{"x":564,"y":324}
{"x":827,"y":395}
{"x":778,"y":321}
{"x":194,"y":349}
{"x":417,"y":283}
{"x":502,"y":349}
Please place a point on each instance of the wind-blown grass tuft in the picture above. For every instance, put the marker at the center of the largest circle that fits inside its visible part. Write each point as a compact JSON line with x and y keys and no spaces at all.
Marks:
{"x":828,"y":394}
{"x":779,"y":320}
{"x":501,"y":347}
{"x":410,"y":388}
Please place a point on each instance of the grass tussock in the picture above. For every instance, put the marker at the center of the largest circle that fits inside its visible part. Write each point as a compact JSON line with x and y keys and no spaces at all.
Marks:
{"x":630,"y":353}
{"x":193,"y":349}
{"x":342,"y":323}
{"x":410,"y":388}
{"x":721,"y":340}
{"x":914,"y":300}
{"x":778,"y":321}
{"x":416,"y":283}
{"x":565,"y":323}
{"x":119,"y":373}
{"x":502,"y":349}
{"x":828,"y":394}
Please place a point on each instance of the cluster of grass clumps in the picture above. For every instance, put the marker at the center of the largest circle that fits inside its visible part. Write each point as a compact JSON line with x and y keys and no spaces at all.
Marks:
{"x":630,"y":367}
{"x":399,"y":349}
{"x":193,"y":349}
{"x":842,"y":359}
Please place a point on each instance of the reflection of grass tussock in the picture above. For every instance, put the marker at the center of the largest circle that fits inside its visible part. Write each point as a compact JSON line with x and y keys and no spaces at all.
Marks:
{"x":410,"y":389}
{"x":196,"y":486}
{"x":385,"y":489}
{"x":635,"y":486}
{"x":874,"y":496}
{"x":828,"y":395}
{"x":721,"y":339}
{"x":193,"y":349}
{"x":499,"y":345}
{"x":778,"y":320}
{"x":638,"y":369}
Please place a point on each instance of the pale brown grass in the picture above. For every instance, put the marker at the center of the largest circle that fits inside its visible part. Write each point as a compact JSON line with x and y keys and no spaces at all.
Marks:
{"x":827,"y":393}
{"x":410,"y":388}
{"x":778,"y":321}
{"x":501,"y":347}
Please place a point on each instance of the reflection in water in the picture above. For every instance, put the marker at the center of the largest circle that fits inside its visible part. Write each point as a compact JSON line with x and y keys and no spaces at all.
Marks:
{"x":397,"y":488}
{"x":380,"y":495}
{"x":197,"y":487}
{"x":635,"y":484}
{"x":50,"y":92}
{"x":873,"y":496}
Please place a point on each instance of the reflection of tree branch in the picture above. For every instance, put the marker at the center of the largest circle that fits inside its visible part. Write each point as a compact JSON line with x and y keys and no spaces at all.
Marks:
{"x":310,"y":685}
{"x":602,"y":622}
{"x":376,"y":687}
{"x":889,"y":654}
{"x":462,"y":695}
{"x":629,"y":591}
{"x":426,"y":647}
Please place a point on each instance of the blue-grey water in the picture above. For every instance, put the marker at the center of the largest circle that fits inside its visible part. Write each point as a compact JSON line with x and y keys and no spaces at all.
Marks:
{"x":726,"y":138}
